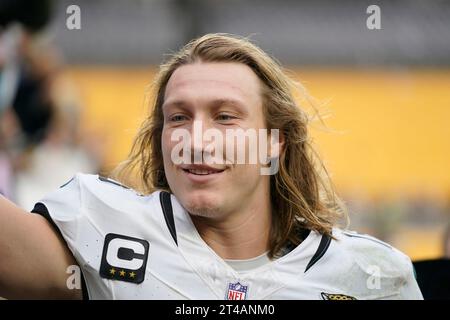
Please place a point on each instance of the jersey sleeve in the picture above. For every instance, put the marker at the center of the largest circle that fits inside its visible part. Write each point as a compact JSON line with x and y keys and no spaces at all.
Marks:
{"x":410,"y":289}
{"x":383,"y":271}
{"x":65,"y":209}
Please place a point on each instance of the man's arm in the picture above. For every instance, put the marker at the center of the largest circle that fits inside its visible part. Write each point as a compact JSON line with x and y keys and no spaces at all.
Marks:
{"x":33,"y":257}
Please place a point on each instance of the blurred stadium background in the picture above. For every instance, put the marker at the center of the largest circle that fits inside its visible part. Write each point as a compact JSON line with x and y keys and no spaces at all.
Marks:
{"x":387,"y":142}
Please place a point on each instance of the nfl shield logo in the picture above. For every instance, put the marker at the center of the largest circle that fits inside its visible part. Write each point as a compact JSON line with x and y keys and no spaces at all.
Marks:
{"x":236,"y":291}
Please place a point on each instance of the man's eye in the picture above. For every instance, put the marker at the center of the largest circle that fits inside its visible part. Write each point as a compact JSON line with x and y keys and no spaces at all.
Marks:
{"x":224,"y":117}
{"x":178,"y":118}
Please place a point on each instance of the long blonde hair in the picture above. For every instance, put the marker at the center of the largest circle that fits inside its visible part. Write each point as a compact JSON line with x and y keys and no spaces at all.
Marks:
{"x":302,"y":194}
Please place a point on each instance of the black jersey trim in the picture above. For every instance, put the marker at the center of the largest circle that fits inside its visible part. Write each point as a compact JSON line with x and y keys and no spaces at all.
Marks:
{"x":108,"y":180}
{"x":369,"y":238}
{"x":304,"y":233}
{"x":166,"y":205}
{"x":41,"y":209}
{"x":68,"y":182}
{"x":323,"y":247}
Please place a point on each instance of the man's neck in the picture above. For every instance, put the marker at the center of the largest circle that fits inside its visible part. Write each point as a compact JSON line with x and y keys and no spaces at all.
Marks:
{"x":243,"y":235}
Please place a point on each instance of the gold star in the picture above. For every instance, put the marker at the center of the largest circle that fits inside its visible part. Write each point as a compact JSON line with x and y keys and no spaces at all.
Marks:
{"x":122,"y":273}
{"x":112,"y":271}
{"x":132,"y":274}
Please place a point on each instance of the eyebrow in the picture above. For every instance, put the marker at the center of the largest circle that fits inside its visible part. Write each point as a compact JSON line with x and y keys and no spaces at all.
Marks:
{"x":217,"y":103}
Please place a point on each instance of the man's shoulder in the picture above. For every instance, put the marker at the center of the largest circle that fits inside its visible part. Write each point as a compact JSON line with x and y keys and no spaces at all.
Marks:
{"x":93,"y":203}
{"x":364,"y":267}
{"x":349,"y":238}
{"x":91,"y":194}
{"x":97,"y":180}
{"x":370,"y":254}
{"x":103,"y":186}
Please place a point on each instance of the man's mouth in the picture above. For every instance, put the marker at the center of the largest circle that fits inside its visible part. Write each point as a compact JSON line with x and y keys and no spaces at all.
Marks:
{"x":201,"y":170}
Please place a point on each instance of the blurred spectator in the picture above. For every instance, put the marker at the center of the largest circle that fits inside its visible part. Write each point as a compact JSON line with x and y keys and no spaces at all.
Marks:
{"x":40,"y":138}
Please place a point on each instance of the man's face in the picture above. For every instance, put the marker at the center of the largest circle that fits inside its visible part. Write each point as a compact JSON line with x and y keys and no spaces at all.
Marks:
{"x":216,"y":96}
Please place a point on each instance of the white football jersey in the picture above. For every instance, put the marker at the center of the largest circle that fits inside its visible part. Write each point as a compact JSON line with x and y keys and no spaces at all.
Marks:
{"x":131,"y":246}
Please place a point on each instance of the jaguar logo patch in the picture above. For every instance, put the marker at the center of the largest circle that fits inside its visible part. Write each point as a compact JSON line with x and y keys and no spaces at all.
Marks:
{"x":334,"y":296}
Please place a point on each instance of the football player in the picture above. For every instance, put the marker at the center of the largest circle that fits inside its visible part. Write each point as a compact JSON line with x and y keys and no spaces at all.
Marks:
{"x":216,"y":229}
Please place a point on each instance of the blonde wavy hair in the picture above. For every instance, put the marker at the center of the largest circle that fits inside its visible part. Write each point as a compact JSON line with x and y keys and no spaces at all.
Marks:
{"x":302,"y":194}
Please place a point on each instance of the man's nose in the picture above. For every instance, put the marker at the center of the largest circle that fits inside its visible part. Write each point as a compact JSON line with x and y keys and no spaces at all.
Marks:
{"x":199,"y":145}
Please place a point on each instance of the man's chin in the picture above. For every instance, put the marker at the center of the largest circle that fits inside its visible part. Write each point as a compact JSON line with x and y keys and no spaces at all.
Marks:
{"x":203,"y":203}
{"x":203,"y":206}
{"x":203,"y":209}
